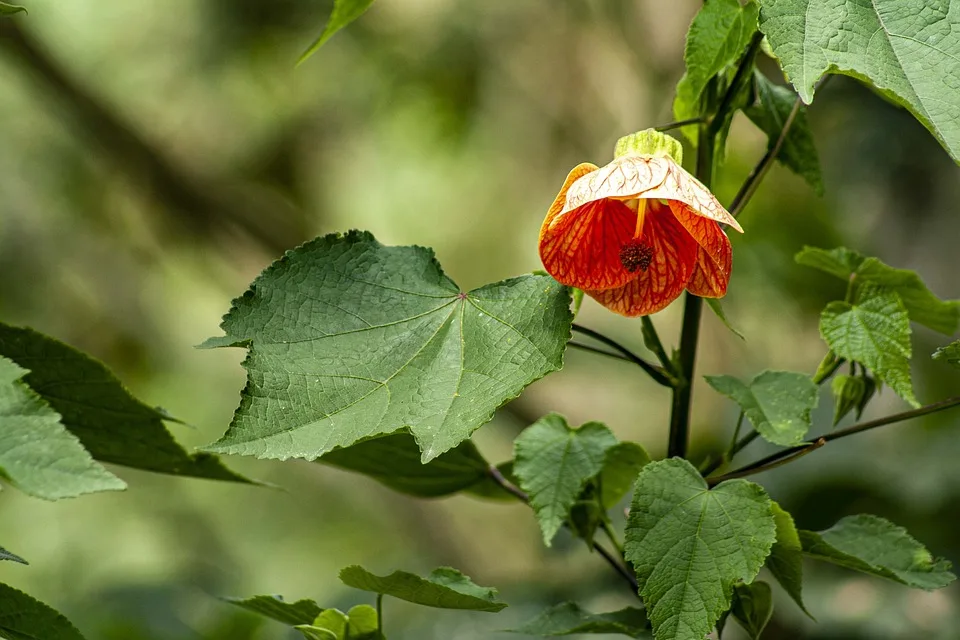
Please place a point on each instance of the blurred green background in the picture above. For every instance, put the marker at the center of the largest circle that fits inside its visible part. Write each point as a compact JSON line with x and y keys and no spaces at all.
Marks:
{"x":155,"y":156}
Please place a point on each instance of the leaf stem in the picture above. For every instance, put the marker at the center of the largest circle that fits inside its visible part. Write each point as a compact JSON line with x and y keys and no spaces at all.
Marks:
{"x":379,"y":616}
{"x":658,"y":374}
{"x":732,"y":449}
{"x":602,"y":352}
{"x":679,"y":123}
{"x":612,"y":537}
{"x":765,"y":465}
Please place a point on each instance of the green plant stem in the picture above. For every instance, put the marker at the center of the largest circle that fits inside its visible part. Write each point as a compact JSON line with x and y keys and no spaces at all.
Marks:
{"x":679,"y":123}
{"x":683,"y":394}
{"x":521,"y":495}
{"x":790,"y":453}
{"x":612,"y":537}
{"x":380,"y":616}
{"x":731,"y":450}
{"x":658,"y":374}
{"x":602,"y":352}
{"x":652,"y":340}
{"x":726,"y":102}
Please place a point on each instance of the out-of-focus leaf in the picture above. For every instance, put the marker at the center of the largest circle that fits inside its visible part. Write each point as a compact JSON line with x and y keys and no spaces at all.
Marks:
{"x":876,"y":546}
{"x":770,"y":112}
{"x":568,"y":618}
{"x":777,"y":403}
{"x":553,"y":463}
{"x":840,"y":262}
{"x":24,"y":618}
{"x":344,"y":12}
{"x":95,"y":407}
{"x":7,"y":9}
{"x":717,"y":309}
{"x":753,"y":607}
{"x":690,"y":545}
{"x":949,"y":354}
{"x":349,"y":339}
{"x":311,"y":632}
{"x":621,"y":465}
{"x":291,"y":613}
{"x":444,"y":588}
{"x":785,"y":561}
{"x":907,"y":49}
{"x":848,"y":392}
{"x":6,"y":555}
{"x":37,"y":454}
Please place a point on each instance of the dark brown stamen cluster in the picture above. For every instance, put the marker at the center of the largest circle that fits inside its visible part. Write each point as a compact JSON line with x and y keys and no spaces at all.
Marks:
{"x":636,"y":256}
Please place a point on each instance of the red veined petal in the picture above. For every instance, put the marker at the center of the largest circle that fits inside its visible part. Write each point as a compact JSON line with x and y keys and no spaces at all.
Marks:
{"x":581,"y":247}
{"x":708,"y":279}
{"x":674,"y":257}
{"x":714,"y":259}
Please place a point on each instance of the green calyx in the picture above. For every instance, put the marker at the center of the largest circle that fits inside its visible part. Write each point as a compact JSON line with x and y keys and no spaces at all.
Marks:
{"x":650,"y":142}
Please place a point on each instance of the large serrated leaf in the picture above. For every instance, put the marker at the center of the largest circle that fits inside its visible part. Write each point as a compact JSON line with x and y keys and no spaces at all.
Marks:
{"x":553,"y":462}
{"x":690,"y":545}
{"x":37,"y":454}
{"x":25,"y":618}
{"x":777,"y":403}
{"x":875,"y":332}
{"x":876,"y":546}
{"x":444,"y":588}
{"x":908,"y":49}
{"x":95,"y":407}
{"x":350,"y":339}
{"x":274,"y":607}
{"x":569,"y":618}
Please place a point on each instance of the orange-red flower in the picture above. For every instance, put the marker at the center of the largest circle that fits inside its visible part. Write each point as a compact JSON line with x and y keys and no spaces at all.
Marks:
{"x":635,"y":233}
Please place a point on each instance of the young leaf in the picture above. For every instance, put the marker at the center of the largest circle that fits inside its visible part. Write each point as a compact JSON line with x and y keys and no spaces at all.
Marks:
{"x":37,"y":455}
{"x":24,"y":618}
{"x":785,"y":561}
{"x":553,"y":463}
{"x":848,"y":392}
{"x":949,"y":354}
{"x":907,"y":49}
{"x":94,"y":406}
{"x":362,"y":623}
{"x":753,"y":607}
{"x":349,"y":339}
{"x":717,"y":309}
{"x":311,"y":632}
{"x":7,"y":9}
{"x":621,"y":465}
{"x":332,"y":621}
{"x":777,"y":403}
{"x":874,"y":332}
{"x":6,"y":555}
{"x":290,"y":613}
{"x":444,"y":588}
{"x":770,"y":112}
{"x":568,"y":618}
{"x":718,"y":36}
{"x":840,"y":262}
{"x":690,"y":545}
{"x":921,"y":304}
{"x":394,"y":461}
{"x":344,"y":12}
{"x":879,"y":547}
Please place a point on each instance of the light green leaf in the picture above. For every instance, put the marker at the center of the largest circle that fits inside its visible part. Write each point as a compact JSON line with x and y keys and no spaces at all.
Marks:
{"x":717,"y":309}
{"x":311,"y":632}
{"x":753,"y":607}
{"x":344,"y":12}
{"x":95,"y":407}
{"x":840,"y":262}
{"x":444,"y":588}
{"x":785,"y":561}
{"x":720,"y":33}
{"x":876,"y":333}
{"x":577,"y":300}
{"x":621,"y":465}
{"x":37,"y":454}
{"x":553,"y":463}
{"x":908,"y":49}
{"x":362,"y":622}
{"x":333,"y":621}
{"x":290,"y":613}
{"x":848,"y":392}
{"x":691,"y":545}
{"x":24,"y":618}
{"x":568,"y":618}
{"x":349,"y":339}
{"x":394,"y":460}
{"x":6,"y":555}
{"x":878,"y":547}
{"x":7,"y":9}
{"x":949,"y":354}
{"x":777,"y":403}
{"x":770,"y":112}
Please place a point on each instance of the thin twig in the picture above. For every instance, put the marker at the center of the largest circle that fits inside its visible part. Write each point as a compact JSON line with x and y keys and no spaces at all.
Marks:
{"x":765,"y":464}
{"x":678,"y":124}
{"x":602,"y":352}
{"x":657,"y":373}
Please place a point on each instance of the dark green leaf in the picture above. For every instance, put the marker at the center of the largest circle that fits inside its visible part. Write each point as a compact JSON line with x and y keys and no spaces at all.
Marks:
{"x":274,"y":607}
{"x":770,"y":112}
{"x":349,"y":339}
{"x":907,"y":49}
{"x":753,"y":607}
{"x":568,"y":618}
{"x":691,"y":545}
{"x":94,"y":406}
{"x":7,"y":9}
{"x":37,"y":454}
{"x":344,"y":12}
{"x":553,"y":463}
{"x":785,"y":561}
{"x":717,"y":309}
{"x":444,"y":588}
{"x":949,"y":354}
{"x":874,"y":332}
{"x":879,"y":547}
{"x":620,"y":468}
{"x":394,"y":461}
{"x":848,"y":392}
{"x":6,"y":555}
{"x":777,"y":403}
{"x":23,"y":618}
